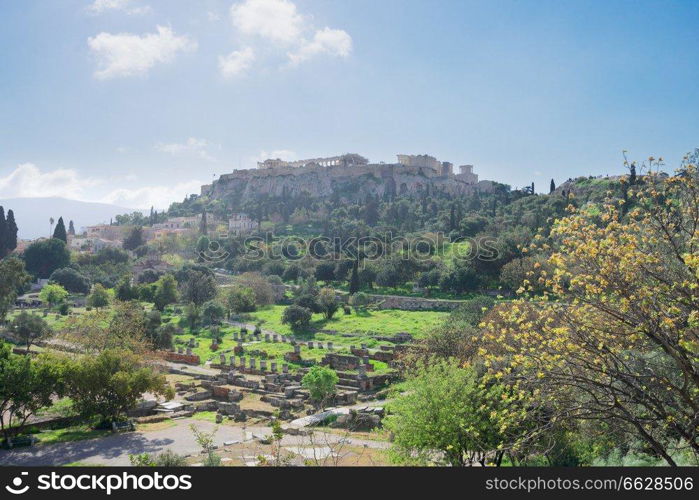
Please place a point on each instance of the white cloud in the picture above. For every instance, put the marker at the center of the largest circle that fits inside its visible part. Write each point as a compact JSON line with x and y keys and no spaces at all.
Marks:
{"x":327,"y":41}
{"x":277,"y":30}
{"x":192,"y":146}
{"x":102,"y":6}
{"x":275,"y":20}
{"x":152,"y":196}
{"x":126,"y":54}
{"x":28,"y":181}
{"x":282,"y":154}
{"x":236,"y":63}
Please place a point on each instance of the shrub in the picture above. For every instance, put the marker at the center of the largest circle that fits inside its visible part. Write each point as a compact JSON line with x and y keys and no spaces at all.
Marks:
{"x":297,"y":317}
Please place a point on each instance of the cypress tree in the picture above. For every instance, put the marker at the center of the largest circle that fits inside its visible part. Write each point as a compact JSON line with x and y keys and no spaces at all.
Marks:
{"x":552,"y":188}
{"x":11,"y":225}
{"x":203,"y":224}
{"x":354,"y":279}
{"x":71,"y":228}
{"x":632,"y":174}
{"x":60,"y":232}
{"x":3,"y":233}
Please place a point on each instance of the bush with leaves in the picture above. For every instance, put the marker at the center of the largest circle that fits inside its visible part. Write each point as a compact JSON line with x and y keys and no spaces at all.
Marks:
{"x":111,"y":383}
{"x":26,"y":385}
{"x":29,"y":328}
{"x":240,"y":300}
{"x":320,"y":381}
{"x":99,"y":297}
{"x":297,"y":317}
{"x":71,"y":279}
{"x":53,"y":294}
{"x":327,"y":302}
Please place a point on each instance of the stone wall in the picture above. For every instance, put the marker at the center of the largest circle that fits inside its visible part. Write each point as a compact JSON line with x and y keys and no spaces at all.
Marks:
{"x":413,"y":303}
{"x":190,"y":359}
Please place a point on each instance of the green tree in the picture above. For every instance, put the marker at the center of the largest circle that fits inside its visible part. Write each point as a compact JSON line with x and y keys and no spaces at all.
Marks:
{"x":199,"y":288}
{"x":240,"y":300}
{"x":12,"y":279}
{"x":11,"y":233}
{"x":203,"y":224}
{"x":124,"y":290}
{"x":320,"y":381}
{"x":71,"y":279}
{"x":109,"y":384}
{"x":192,"y":316}
{"x":71,"y":228}
{"x":53,"y":294}
{"x":43,"y":257}
{"x":134,"y":238}
{"x":165,"y":292}
{"x":327,"y":302}
{"x":325,"y":271}
{"x":212,"y":313}
{"x":26,"y":385}
{"x":30,"y":328}
{"x":99,"y":297}
{"x":354,"y":278}
{"x":3,"y":233}
{"x":449,"y":409}
{"x":60,"y":231}
{"x":297,"y":317}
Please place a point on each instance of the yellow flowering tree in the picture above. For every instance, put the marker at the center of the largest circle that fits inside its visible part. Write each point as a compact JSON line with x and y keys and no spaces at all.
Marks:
{"x":615,"y":336}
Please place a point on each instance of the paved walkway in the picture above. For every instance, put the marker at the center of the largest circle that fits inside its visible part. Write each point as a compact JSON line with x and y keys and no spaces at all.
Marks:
{"x":115,"y":449}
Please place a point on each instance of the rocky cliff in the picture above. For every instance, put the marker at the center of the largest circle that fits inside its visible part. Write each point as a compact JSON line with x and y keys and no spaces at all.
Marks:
{"x":349,"y":182}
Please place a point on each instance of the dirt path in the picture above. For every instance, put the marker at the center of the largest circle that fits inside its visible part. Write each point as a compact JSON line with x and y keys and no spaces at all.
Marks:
{"x":115,"y":449}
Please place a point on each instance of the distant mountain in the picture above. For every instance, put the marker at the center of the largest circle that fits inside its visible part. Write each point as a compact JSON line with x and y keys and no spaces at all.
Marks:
{"x":32,"y":214}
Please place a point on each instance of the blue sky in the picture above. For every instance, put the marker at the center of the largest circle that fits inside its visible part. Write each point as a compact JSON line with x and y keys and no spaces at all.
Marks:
{"x":137,"y":102}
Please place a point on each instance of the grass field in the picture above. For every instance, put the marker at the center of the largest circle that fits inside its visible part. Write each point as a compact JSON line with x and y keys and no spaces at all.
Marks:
{"x":383,"y":322}
{"x":275,"y":350}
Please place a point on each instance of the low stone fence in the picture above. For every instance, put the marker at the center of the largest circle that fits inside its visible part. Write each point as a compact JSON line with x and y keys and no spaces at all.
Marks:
{"x":190,"y":359}
{"x":413,"y":303}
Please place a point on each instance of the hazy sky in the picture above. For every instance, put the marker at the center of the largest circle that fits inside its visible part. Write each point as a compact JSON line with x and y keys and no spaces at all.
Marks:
{"x":138,"y":102}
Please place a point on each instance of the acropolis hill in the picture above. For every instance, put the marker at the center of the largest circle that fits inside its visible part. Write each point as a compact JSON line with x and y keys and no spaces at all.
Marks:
{"x":349,"y":176}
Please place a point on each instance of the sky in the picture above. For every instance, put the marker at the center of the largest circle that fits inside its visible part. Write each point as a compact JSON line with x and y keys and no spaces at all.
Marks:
{"x":139,"y":102}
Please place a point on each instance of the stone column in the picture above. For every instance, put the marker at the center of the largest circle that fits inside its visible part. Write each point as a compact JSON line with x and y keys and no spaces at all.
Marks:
{"x":273,"y":366}
{"x":285,"y":368}
{"x":310,"y":345}
{"x":242,"y":362}
{"x":222,"y":357}
{"x":232,"y":360}
{"x":297,"y":349}
{"x":189,"y":351}
{"x":263,"y":365}
{"x":252,"y":363}
{"x":267,"y":337}
{"x":330,"y":346}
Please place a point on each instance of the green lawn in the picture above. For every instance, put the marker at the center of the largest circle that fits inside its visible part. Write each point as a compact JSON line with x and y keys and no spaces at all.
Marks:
{"x":383,"y":322}
{"x":73,"y":433}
